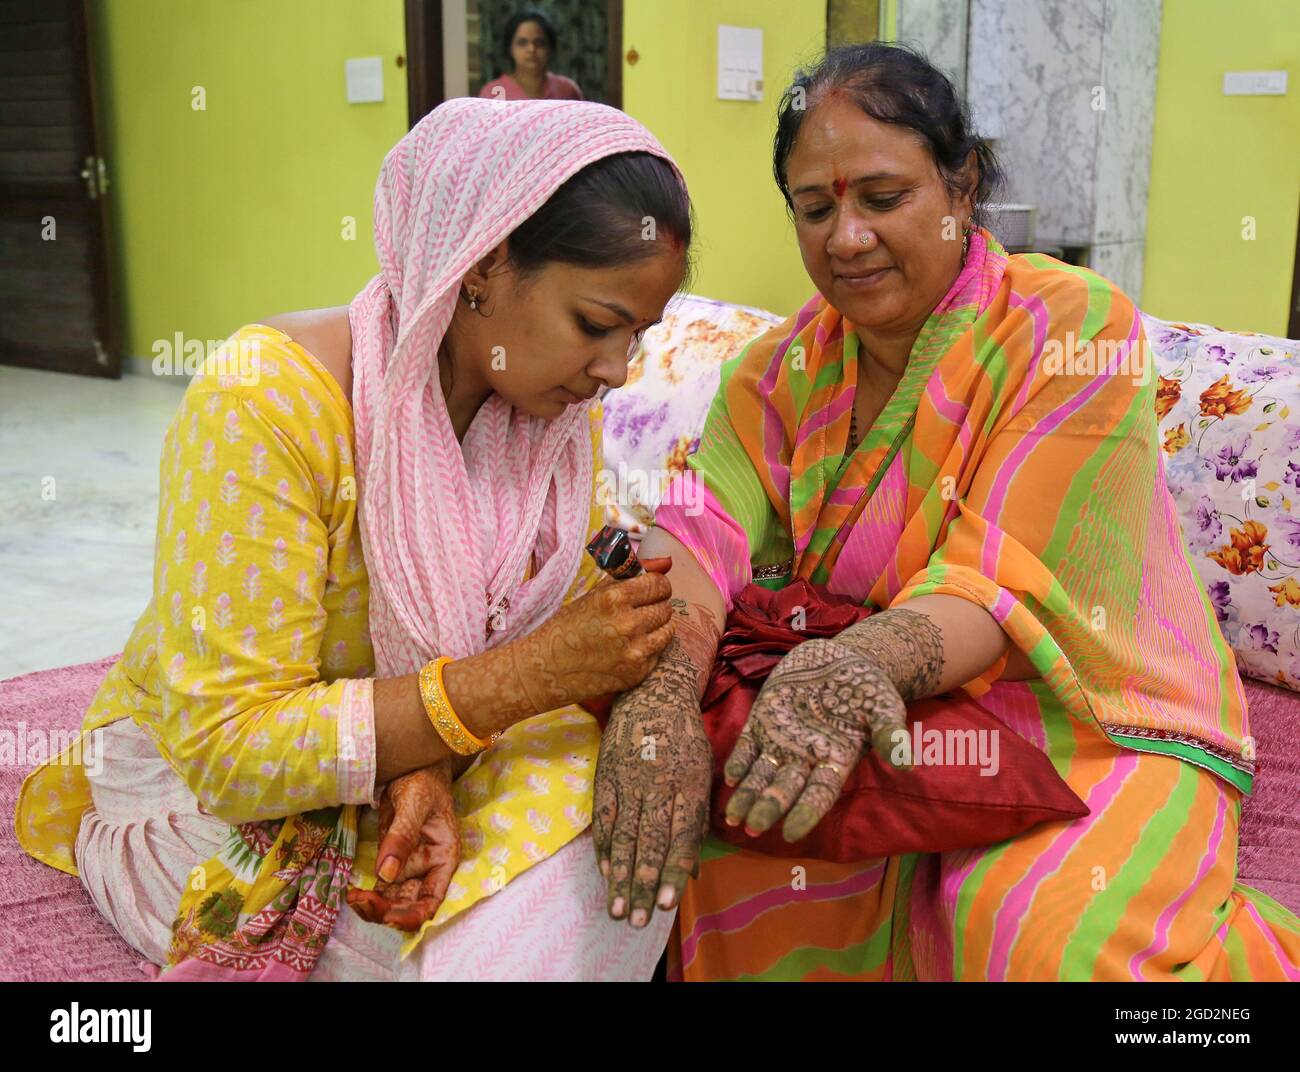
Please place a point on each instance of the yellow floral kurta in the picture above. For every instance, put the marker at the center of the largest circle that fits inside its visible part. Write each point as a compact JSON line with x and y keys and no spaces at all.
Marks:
{"x":251,"y":667}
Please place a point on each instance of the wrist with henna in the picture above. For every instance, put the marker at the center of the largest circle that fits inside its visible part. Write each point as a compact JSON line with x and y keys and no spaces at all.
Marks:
{"x":697,"y":635}
{"x":494,"y":689}
{"x":487,"y":691}
{"x":600,"y":644}
{"x":908,"y":646}
{"x":547,"y":669}
{"x":554,"y":668}
{"x":675,"y":679}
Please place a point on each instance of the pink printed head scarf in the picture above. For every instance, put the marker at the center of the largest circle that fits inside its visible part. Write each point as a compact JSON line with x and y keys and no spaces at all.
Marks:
{"x":448,"y":530}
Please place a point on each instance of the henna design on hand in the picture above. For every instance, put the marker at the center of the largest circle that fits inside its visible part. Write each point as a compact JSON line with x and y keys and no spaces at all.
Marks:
{"x":651,"y":803}
{"x":419,"y":850}
{"x":605,"y":642}
{"x":909,"y":645}
{"x":808,"y":728}
{"x":698,"y":634}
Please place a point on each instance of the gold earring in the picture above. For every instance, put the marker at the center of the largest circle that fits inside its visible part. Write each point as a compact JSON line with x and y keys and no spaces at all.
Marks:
{"x":474,"y":298}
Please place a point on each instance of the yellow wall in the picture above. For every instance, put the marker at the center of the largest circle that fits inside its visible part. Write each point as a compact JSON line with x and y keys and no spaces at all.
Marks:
{"x":745,"y":249}
{"x":889,"y":32}
{"x":1217,"y":159}
{"x":232,"y":214}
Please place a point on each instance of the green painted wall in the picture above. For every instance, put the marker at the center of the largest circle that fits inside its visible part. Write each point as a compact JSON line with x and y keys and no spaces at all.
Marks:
{"x":234,"y":213}
{"x":745,"y":247}
{"x":1218,"y":159}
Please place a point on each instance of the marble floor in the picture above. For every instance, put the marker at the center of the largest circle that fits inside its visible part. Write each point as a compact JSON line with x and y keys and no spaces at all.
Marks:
{"x":78,"y":505}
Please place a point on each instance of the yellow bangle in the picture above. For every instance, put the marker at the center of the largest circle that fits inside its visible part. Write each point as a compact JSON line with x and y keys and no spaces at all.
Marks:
{"x":443,"y":716}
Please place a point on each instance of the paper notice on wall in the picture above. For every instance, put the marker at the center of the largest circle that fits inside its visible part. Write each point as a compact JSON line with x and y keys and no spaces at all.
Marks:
{"x":740,"y":63}
{"x":365,"y":79}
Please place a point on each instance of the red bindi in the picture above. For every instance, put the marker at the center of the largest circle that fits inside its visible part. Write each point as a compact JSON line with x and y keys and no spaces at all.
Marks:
{"x":839,"y":186}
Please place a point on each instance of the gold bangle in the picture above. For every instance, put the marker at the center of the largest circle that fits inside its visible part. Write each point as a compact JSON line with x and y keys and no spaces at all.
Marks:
{"x":443,"y":716}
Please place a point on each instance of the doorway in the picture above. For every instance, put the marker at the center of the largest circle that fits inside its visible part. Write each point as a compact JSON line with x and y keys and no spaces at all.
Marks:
{"x":454,"y":47}
{"x":56,"y":307}
{"x":1293,"y":320}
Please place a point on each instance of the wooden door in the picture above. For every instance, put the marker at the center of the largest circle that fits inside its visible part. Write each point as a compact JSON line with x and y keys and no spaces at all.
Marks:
{"x":56,"y":307}
{"x":424,"y":66}
{"x":1293,"y":318}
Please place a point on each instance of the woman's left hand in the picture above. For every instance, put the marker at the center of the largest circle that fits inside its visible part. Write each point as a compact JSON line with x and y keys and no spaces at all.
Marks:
{"x":419,"y":850}
{"x":820,"y":707}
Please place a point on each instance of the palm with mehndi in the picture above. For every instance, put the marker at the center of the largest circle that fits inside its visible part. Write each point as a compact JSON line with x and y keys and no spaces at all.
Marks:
{"x":419,"y":849}
{"x":819,"y":710}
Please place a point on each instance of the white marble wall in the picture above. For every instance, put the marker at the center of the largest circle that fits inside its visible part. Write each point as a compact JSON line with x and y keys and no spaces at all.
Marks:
{"x":939,"y":28}
{"x":1129,"y":58}
{"x":1130,"y":54}
{"x":1049,"y":53}
{"x":1121,"y":263}
{"x":1066,"y":88}
{"x":986,"y":67}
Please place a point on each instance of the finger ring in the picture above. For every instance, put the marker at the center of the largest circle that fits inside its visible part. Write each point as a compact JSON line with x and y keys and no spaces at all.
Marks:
{"x":774,"y":762}
{"x":830,"y":766}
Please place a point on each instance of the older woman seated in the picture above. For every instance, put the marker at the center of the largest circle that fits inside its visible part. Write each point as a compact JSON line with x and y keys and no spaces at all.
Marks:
{"x":911,"y":439}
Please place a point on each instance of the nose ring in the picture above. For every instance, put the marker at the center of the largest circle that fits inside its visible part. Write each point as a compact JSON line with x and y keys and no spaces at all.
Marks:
{"x":864,"y":237}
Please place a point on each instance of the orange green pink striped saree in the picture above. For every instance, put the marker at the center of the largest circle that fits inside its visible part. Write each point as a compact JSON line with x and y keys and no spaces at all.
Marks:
{"x":1016,"y":465}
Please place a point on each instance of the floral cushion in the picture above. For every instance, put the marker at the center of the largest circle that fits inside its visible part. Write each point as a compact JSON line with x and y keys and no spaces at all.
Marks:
{"x":654,"y":420}
{"x":1232,"y":460}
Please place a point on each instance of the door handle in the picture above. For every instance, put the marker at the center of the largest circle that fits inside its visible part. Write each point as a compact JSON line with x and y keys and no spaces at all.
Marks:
{"x":96,"y":175}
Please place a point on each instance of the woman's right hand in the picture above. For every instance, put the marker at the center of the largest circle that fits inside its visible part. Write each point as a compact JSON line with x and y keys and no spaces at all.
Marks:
{"x":606,"y":641}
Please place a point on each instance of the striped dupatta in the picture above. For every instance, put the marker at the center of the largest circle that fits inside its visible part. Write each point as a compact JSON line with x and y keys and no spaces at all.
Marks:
{"x":1010,"y":470}
{"x":1022,"y":449}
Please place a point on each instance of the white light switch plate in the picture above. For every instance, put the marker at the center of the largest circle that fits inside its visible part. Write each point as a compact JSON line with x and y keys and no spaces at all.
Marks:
{"x":740,"y":63}
{"x":365,"y":79}
{"x":1254,"y":83}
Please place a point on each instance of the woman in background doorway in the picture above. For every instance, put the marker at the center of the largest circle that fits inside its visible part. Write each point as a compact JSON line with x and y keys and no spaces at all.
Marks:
{"x":529,"y":42}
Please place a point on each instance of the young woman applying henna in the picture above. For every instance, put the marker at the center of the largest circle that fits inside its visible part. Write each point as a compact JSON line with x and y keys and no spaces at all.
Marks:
{"x":370,"y":564}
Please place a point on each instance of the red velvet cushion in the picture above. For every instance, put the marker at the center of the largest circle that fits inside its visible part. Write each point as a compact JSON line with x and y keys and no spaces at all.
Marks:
{"x":883,"y":811}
